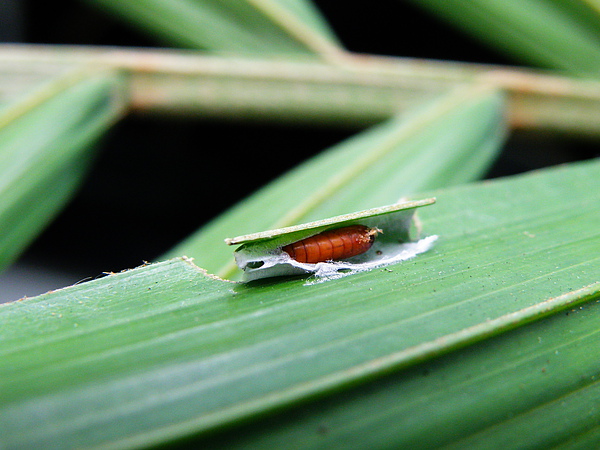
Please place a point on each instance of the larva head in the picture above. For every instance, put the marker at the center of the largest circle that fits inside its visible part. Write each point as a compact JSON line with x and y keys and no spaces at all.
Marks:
{"x":373,"y":232}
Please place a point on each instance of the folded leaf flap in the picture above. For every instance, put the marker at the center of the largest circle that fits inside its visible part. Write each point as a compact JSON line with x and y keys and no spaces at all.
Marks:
{"x":318,"y":225}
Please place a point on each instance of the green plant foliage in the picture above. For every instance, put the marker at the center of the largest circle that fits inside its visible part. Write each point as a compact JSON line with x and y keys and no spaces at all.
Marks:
{"x":275,"y":27}
{"x":534,"y":387}
{"x":487,"y":338}
{"x":44,"y":151}
{"x":449,"y":141}
{"x":165,"y":351}
{"x":555,"y":34}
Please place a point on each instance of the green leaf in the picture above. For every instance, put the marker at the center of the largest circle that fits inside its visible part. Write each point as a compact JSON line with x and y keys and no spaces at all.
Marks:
{"x":448,"y":141}
{"x":45,"y":145}
{"x":534,"y":387}
{"x":276,"y":27}
{"x":164,"y":351}
{"x":315,"y":92}
{"x":387,"y":235}
{"x":547,"y":33}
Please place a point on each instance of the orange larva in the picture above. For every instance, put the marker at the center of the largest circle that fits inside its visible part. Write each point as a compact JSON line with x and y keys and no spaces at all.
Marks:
{"x":333,"y":245}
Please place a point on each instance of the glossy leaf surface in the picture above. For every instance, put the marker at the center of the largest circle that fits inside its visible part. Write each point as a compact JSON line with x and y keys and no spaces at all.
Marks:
{"x":165,"y":351}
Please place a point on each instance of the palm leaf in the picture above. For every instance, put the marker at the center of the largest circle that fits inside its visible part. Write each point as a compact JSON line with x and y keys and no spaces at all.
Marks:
{"x":452,"y":140}
{"x":277,"y":27}
{"x":39,"y":170}
{"x":166,"y":351}
{"x":533,"y":387}
{"x":547,"y":33}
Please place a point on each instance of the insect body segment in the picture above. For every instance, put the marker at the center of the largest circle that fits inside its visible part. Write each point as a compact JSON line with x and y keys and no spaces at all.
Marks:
{"x":333,"y":245}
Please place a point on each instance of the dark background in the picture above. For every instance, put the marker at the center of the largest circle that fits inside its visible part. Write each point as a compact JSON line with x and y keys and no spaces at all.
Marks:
{"x":131,"y":208}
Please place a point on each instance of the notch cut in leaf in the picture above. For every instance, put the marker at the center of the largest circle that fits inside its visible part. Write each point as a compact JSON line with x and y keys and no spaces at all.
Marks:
{"x":448,"y":141}
{"x":261,"y":255}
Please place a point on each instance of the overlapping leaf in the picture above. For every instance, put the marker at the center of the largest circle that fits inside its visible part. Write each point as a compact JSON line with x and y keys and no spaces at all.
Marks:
{"x":275,"y":27}
{"x":548,"y":33}
{"x":451,"y":140}
{"x":534,"y":387}
{"x":165,"y":351}
{"x":44,"y":143}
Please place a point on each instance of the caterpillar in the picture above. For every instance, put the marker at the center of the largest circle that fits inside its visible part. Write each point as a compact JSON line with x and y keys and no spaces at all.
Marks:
{"x":333,"y":245}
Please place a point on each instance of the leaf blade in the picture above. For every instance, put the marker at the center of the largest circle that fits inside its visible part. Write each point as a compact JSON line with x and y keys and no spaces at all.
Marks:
{"x":544,"y":33}
{"x":68,"y":119}
{"x":201,"y":353}
{"x":243,"y":27}
{"x":486,"y":395}
{"x":450,"y":141}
